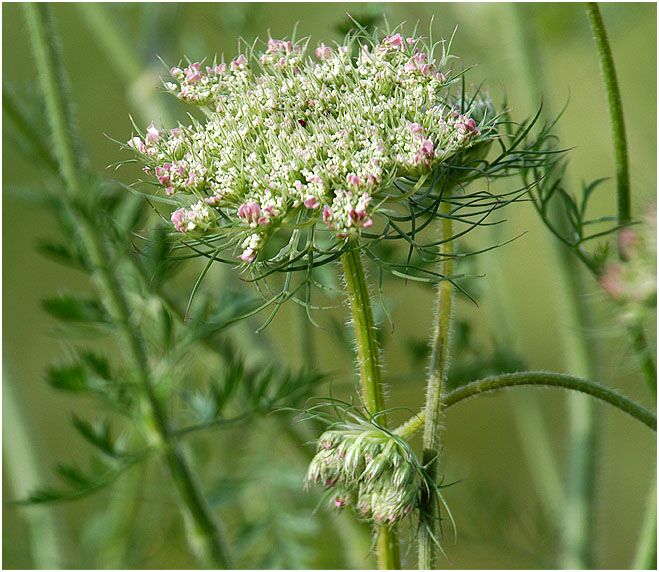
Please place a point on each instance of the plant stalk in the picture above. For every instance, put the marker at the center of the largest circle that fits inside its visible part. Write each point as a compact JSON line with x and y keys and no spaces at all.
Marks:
{"x":205,"y":536}
{"x":646,"y":550}
{"x":370,"y":376}
{"x":644,"y":356}
{"x":645,"y":557}
{"x":540,"y":379}
{"x":23,"y":473}
{"x":437,"y":372}
{"x":615,"y":113}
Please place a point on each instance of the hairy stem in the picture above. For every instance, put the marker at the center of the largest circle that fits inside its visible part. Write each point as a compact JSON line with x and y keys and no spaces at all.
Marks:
{"x":437,"y":371}
{"x":535,"y":378}
{"x":205,"y":534}
{"x":370,"y":374}
{"x":615,"y":112}
{"x":370,"y":377}
{"x":647,"y":544}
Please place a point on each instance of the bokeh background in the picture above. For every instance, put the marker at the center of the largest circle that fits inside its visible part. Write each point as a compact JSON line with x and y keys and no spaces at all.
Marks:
{"x":498,"y":512}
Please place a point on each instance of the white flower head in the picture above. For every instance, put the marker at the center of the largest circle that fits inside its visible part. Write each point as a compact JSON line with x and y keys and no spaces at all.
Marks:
{"x":322,"y":139}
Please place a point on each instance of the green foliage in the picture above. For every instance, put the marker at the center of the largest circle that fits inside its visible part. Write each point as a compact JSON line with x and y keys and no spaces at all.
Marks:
{"x":71,"y":308}
{"x":78,"y":484}
{"x":100,"y":435}
{"x":89,"y":373}
{"x":567,"y":215}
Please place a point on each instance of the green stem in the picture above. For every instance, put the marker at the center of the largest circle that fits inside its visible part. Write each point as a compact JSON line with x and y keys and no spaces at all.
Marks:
{"x":535,"y":378}
{"x":437,"y":371}
{"x":205,"y":536}
{"x":615,"y":112}
{"x":644,"y":356}
{"x":647,"y":547}
{"x":46,"y":54}
{"x":370,"y":376}
{"x":24,"y":471}
{"x":645,"y":557}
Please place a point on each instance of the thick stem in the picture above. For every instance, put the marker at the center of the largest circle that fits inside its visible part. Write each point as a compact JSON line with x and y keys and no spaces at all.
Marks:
{"x":370,"y":377}
{"x":368,"y":356}
{"x":205,"y":534}
{"x":615,"y":112}
{"x":437,"y":371}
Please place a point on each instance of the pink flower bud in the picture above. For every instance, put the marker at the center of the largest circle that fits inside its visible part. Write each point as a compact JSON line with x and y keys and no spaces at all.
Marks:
{"x":192,"y":75}
{"x":137,"y":144}
{"x":466,"y":125}
{"x":395,"y":42}
{"x":353,"y":180}
{"x":426,"y":153}
{"x":427,"y":69}
{"x":323,"y":52}
{"x":239,"y":62}
{"x":152,"y":134}
{"x":249,"y":211}
{"x":417,"y":128}
{"x":339,"y":502}
{"x":327,"y":215}
{"x":248,"y":255}
{"x":311,"y":202}
{"x":178,"y":219}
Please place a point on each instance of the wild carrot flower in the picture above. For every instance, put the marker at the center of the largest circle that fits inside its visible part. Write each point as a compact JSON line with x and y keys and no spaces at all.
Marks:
{"x":369,"y":470}
{"x":293,"y":141}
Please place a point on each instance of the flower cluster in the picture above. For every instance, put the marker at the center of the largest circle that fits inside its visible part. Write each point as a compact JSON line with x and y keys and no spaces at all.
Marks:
{"x":289,"y":138}
{"x":370,"y":470}
{"x":633,"y":282}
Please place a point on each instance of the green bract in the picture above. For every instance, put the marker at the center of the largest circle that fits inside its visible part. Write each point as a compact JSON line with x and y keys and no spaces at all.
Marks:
{"x":370,"y":470}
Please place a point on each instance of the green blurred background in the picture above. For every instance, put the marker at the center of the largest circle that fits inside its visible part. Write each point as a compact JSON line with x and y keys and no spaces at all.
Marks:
{"x":496,"y":505}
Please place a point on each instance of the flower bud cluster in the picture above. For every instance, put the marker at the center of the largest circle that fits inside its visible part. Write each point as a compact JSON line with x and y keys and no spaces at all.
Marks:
{"x":633,"y":282}
{"x":369,"y":470}
{"x":291,"y":138}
